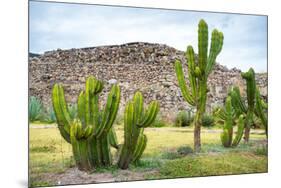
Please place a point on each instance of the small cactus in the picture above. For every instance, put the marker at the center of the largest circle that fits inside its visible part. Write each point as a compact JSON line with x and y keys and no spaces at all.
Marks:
{"x":228,"y":116}
{"x":135,"y":120}
{"x":247,"y":109}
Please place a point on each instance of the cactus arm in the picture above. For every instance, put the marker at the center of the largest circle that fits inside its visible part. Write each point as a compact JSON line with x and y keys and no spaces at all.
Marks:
{"x":191,"y":69}
{"x":251,"y":87}
{"x":237,"y":102}
{"x":113,"y":138}
{"x":229,"y":120}
{"x":225,"y":138}
{"x":110,"y":111}
{"x":138,"y":103}
{"x":125,"y":156}
{"x":79,"y":144}
{"x":220,"y":114}
{"x":185,"y":92}
{"x":141,"y":145}
{"x":216,"y":46}
{"x":81,"y":107}
{"x":202,"y":44}
{"x":259,"y":110}
{"x":88,"y":95}
{"x":240,"y":130}
{"x":61,"y":112}
{"x":150,"y":114}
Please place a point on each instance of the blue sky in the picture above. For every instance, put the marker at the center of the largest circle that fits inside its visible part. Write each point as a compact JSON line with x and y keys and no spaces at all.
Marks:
{"x":65,"y":26}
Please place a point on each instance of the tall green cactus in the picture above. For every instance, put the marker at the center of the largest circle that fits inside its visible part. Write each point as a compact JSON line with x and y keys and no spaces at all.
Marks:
{"x":228,"y":116}
{"x":198,"y":72}
{"x":135,"y":120}
{"x":89,"y":135}
{"x":247,"y":109}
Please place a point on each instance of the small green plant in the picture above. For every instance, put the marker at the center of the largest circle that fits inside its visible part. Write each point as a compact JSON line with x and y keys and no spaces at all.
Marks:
{"x":185,"y":150}
{"x":261,"y":150}
{"x":208,"y":121}
{"x":170,"y":155}
{"x":50,"y":116}
{"x":183,"y":119}
{"x":35,"y":109}
{"x":158,"y":122}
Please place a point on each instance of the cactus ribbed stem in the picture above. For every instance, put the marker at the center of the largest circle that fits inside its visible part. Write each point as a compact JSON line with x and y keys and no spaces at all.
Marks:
{"x":260,"y":110}
{"x":134,"y":122}
{"x":89,"y":134}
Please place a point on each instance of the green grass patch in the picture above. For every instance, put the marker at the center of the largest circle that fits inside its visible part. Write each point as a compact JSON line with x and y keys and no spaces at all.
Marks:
{"x":228,"y":163}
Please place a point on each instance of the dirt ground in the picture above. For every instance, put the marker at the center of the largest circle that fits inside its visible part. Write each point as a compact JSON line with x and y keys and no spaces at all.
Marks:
{"x":74,"y":176}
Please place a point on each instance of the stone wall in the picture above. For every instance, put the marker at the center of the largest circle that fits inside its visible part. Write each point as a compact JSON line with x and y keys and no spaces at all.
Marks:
{"x":135,"y":66}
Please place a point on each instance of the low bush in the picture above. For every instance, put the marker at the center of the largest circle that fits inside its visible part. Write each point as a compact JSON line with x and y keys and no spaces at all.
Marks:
{"x":185,"y":150}
{"x":208,"y":121}
{"x":262,"y":150}
{"x":184,"y":119}
{"x":50,"y":116}
{"x":170,"y":155}
{"x":158,"y":122}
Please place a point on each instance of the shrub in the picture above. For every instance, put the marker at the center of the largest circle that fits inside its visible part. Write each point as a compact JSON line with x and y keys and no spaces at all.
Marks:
{"x":183,"y":119}
{"x":170,"y":155}
{"x":185,"y":150}
{"x":35,"y":109}
{"x":50,"y":116}
{"x":208,"y":121}
{"x":262,"y":150}
{"x":158,"y":122}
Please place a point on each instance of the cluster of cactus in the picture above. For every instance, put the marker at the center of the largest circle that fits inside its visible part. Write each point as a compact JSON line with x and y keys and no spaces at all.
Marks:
{"x":229,"y":118}
{"x":198,"y":72}
{"x":89,"y":133}
{"x":135,"y":120}
{"x":253,"y":104}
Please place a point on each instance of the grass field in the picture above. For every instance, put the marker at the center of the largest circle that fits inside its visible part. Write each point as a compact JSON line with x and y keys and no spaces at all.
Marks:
{"x":51,"y":160}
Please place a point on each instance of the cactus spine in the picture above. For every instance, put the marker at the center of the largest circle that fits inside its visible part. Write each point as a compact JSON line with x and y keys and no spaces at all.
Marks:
{"x":229,"y":118}
{"x":135,"y":120}
{"x":198,"y":73}
{"x":89,"y":134}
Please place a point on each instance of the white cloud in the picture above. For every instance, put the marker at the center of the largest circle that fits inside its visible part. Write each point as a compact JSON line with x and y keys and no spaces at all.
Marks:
{"x":54,"y":25}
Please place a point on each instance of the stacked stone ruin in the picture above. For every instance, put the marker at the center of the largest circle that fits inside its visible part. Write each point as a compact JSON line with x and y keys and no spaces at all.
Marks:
{"x":146,"y":67}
